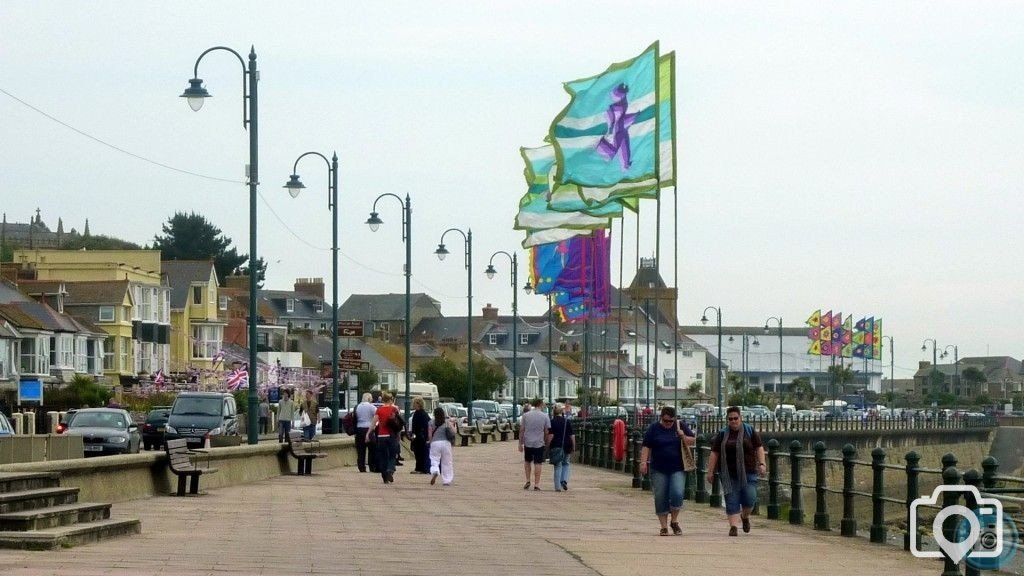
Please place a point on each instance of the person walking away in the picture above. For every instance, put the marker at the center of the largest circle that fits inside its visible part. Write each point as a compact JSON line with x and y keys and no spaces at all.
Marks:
{"x":310,"y":408}
{"x":737,"y":454}
{"x":420,"y":431}
{"x":532,"y":436}
{"x":441,"y":434}
{"x":388,"y":425}
{"x":285,"y":415}
{"x":561,"y":440}
{"x":364,"y":417}
{"x":264,"y":415}
{"x":662,"y":455}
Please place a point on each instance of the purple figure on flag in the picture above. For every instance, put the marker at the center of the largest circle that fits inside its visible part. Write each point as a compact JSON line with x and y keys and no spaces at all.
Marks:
{"x":616,"y":139}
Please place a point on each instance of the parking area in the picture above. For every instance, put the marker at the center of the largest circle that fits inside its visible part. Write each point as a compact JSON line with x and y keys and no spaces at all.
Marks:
{"x":339,"y":521}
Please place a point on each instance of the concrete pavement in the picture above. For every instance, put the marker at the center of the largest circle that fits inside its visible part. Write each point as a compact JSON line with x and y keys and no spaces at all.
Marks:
{"x":342,"y":522}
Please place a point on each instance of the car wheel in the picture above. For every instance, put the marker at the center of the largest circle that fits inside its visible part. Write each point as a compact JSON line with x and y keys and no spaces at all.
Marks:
{"x":148,"y":446}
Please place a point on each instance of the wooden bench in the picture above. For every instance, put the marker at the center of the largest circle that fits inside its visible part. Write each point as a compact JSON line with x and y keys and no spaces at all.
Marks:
{"x":504,"y":429}
{"x":485,"y":430}
{"x":465,"y":433}
{"x":304,"y":451}
{"x":179,"y":459}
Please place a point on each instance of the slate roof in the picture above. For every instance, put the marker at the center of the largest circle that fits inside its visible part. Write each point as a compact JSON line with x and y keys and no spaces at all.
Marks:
{"x":10,"y":293}
{"x":303,"y":305}
{"x":181,"y":274}
{"x":16,"y":316}
{"x":43,"y":316}
{"x":381,"y":307}
{"x":93,"y":292}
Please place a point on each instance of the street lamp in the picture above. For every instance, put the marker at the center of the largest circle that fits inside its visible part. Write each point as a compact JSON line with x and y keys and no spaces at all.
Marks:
{"x":491,"y":272}
{"x":935,"y":360}
{"x":196,"y":94}
{"x":441,"y":253}
{"x":956,"y":367}
{"x":704,"y":320}
{"x":892,"y":372}
{"x":779,"y":320}
{"x":374,"y":223}
{"x":295,"y":187}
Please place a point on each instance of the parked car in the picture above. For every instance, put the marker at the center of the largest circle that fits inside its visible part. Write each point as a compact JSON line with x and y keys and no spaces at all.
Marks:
{"x":197,"y":415}
{"x":6,"y":429}
{"x":105,"y":431}
{"x":154,"y":427}
{"x":491,"y":409}
{"x":808,"y":416}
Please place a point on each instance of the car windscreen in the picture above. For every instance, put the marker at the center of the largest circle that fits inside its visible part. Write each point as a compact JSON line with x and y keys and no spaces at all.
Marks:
{"x":5,"y":426}
{"x":99,"y":420}
{"x":157,"y":415}
{"x":196,"y":407}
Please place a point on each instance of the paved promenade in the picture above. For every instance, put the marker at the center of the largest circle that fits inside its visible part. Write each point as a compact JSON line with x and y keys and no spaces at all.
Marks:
{"x":343,"y":522}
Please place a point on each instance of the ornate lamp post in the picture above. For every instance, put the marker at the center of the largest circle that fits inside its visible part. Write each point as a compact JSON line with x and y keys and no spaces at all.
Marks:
{"x":374,"y":223}
{"x":491,"y":272}
{"x":441,"y":253}
{"x":196,"y":94}
{"x":935,"y":358}
{"x":956,"y":368}
{"x":704,"y":320}
{"x":295,"y":187}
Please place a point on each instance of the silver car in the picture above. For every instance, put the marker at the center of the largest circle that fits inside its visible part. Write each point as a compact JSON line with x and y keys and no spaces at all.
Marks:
{"x":105,"y":431}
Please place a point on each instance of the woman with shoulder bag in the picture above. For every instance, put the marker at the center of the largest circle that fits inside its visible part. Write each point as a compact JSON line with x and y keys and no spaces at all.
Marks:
{"x":441,"y":434}
{"x":662,"y":455}
{"x":561,"y":439}
{"x":384,"y":424}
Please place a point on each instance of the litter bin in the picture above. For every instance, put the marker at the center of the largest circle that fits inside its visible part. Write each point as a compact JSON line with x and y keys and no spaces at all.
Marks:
{"x":327,"y":425}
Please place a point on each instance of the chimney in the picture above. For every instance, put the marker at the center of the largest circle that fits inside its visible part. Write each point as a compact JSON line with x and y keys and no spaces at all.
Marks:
{"x":310,"y":286}
{"x":240,"y":281}
{"x":922,"y":364}
{"x":490,"y":312}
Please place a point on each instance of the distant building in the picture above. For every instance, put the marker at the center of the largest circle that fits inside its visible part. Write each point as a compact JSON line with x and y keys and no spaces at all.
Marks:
{"x":35,"y":233}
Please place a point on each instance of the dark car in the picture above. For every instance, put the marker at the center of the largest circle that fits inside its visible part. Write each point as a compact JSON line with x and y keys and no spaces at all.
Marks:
{"x":196,"y":416}
{"x":105,"y":431}
{"x":5,"y":426}
{"x":154,"y":427}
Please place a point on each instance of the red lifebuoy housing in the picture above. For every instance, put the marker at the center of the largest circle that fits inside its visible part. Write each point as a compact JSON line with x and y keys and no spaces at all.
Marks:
{"x":619,"y":440}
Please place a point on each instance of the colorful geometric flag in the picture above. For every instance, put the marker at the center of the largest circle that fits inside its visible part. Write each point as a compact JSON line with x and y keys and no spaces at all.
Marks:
{"x":814,"y":320}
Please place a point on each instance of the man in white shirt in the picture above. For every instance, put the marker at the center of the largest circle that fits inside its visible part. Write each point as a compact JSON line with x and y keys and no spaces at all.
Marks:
{"x":364,"y":417}
{"x":533,"y":432}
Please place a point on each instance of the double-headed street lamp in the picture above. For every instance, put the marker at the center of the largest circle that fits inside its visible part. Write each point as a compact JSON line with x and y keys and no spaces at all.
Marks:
{"x":294,"y":187}
{"x":779,"y":320}
{"x":442,"y":252}
{"x":956,"y":367}
{"x":704,"y":320}
{"x":196,"y":94}
{"x":490,"y":272}
{"x":935,"y":360}
{"x":374,"y":223}
{"x":892,"y":371}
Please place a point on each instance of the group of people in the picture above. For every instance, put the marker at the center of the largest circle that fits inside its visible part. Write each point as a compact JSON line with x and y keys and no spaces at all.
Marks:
{"x":287,"y":409}
{"x":737,"y":459}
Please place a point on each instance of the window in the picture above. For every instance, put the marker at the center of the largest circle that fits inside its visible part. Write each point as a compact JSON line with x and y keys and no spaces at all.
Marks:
{"x":698,"y":376}
{"x":492,"y":339}
{"x":290,"y":305}
{"x":206,"y":340}
{"x":524,"y":339}
{"x":323,"y":326}
{"x":222,"y":303}
{"x":305,"y":325}
{"x":318,"y":306}
{"x":108,"y":353}
{"x":124,"y":349}
{"x":137,"y":300}
{"x":107,"y":314}
{"x":197,"y":295}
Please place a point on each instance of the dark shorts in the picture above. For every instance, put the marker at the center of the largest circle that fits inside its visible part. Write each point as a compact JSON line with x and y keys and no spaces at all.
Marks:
{"x":535,"y":455}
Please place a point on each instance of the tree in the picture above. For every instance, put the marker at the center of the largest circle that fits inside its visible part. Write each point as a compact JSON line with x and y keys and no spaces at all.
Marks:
{"x":695,"y":389}
{"x":451,"y":381}
{"x":98,"y":242}
{"x":842,"y":376}
{"x":802,"y":390}
{"x":736,"y":381}
{"x":191,"y":237}
{"x":974,"y":379}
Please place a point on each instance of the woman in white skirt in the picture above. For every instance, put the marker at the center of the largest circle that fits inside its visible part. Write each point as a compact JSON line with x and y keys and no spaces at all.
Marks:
{"x":441,"y":435}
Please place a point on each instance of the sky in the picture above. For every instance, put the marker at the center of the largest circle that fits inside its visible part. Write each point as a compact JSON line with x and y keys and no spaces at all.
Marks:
{"x":863,"y":157}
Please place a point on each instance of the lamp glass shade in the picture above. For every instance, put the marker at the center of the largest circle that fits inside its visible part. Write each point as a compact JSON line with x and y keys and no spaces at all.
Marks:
{"x":441,"y":252}
{"x":294,"y":185}
{"x":374,"y":222}
{"x":490,"y":272}
{"x":528,"y":288}
{"x":195,"y":93}
{"x":703,"y":319}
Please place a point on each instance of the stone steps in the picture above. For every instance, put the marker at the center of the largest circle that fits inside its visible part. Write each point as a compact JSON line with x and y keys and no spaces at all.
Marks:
{"x":36,"y":513}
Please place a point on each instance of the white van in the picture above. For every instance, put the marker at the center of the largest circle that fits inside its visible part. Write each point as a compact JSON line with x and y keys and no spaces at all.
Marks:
{"x":785,"y":411}
{"x":427,"y":390}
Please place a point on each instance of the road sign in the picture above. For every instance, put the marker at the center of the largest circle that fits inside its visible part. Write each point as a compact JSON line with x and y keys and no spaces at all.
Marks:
{"x":351,"y":355}
{"x":353,"y":365}
{"x":350,"y":328}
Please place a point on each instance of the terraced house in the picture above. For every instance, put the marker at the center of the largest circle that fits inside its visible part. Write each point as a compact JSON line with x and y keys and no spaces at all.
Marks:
{"x":197,"y":334}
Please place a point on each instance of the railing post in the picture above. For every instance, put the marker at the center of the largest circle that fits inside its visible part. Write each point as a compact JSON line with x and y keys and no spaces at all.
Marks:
{"x":990,"y":467}
{"x":715,"y":501}
{"x":821,"y":507}
{"x":949,"y":461}
{"x":913,"y":490}
{"x":877,"y":495}
{"x":973,"y":478}
{"x":606,"y":451}
{"x":774,"y":512}
{"x":796,"y":508}
{"x":635,"y":441}
{"x":701,"y":494}
{"x":848,"y":525}
{"x":595,"y":443}
{"x":950,"y":476}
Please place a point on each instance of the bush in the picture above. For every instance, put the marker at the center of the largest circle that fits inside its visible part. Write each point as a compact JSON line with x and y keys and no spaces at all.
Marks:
{"x":81,"y":392}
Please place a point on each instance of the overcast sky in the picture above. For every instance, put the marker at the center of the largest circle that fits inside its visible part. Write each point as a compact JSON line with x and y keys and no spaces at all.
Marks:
{"x":859,"y":157}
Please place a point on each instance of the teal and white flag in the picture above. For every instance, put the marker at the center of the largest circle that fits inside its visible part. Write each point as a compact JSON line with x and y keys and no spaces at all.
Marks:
{"x":608,"y":134}
{"x":534,"y":211}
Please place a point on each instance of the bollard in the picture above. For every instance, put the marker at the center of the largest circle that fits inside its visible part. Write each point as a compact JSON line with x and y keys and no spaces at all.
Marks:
{"x":913,"y":490}
{"x":52,"y":419}
{"x":636,"y":441}
{"x":972,"y":478}
{"x":848,"y":525}
{"x":948,"y":461}
{"x":990,"y":467}
{"x":950,"y":476}
{"x":877,"y":495}
{"x":773,"y":480}
{"x":821,"y":506}
{"x":700,"y":495}
{"x":796,"y":508}
{"x":18,"y":421}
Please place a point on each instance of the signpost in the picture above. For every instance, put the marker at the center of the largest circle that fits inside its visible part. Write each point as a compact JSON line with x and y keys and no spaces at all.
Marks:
{"x":353,"y":365}
{"x":351,"y":354}
{"x":350,"y":328}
